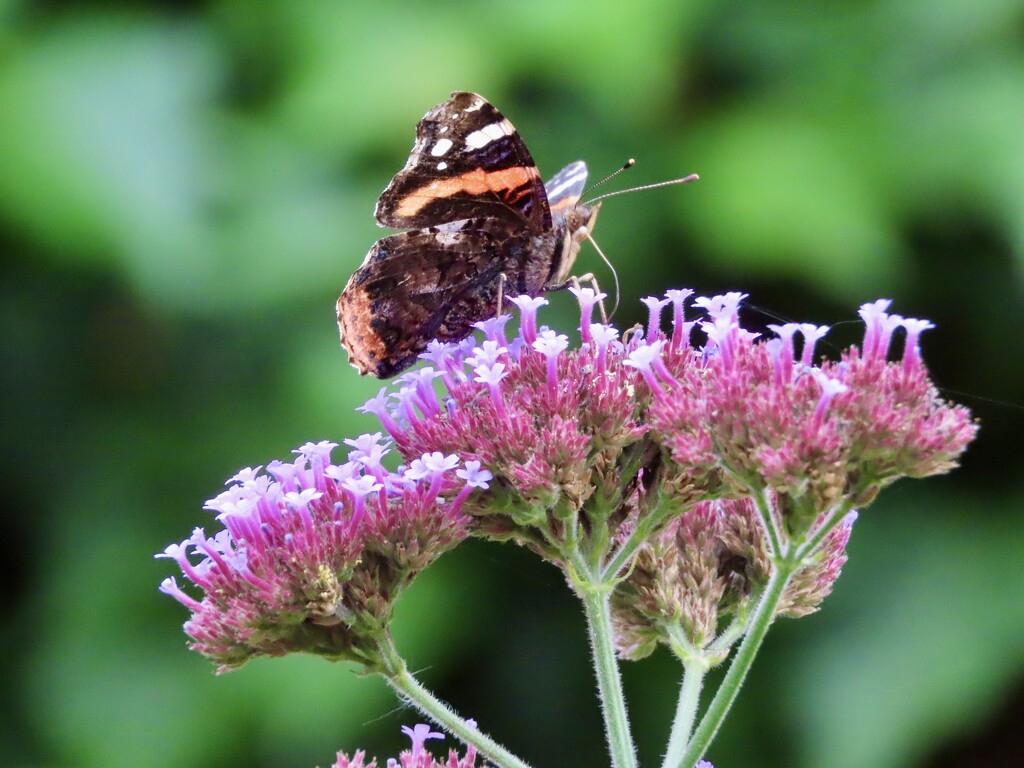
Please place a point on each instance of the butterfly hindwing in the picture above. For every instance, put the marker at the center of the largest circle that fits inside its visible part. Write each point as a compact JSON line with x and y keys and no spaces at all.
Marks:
{"x":421,"y":285}
{"x":564,"y":191}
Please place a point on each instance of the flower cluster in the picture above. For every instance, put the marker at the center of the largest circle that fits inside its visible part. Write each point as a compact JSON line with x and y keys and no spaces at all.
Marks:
{"x":817,"y":435}
{"x":416,"y":756}
{"x":733,"y":414}
{"x":552,"y":423}
{"x":312,"y":554}
{"x":680,"y":466}
{"x":692,"y":483}
{"x":636,"y":435}
{"x":708,"y":564}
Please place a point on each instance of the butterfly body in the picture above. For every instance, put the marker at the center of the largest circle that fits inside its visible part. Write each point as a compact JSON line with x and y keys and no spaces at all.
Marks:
{"x":476,"y":213}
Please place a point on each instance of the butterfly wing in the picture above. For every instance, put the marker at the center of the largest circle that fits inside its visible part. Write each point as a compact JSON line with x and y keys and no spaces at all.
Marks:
{"x":565,"y":190}
{"x":421,"y":285}
{"x":468,"y":161}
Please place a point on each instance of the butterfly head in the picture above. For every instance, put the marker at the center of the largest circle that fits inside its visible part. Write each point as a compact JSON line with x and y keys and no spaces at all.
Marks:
{"x":577,"y":224}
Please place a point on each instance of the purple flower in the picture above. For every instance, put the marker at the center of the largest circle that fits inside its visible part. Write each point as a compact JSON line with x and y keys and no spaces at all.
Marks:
{"x":873,"y":315}
{"x":492,"y":376}
{"x":769,"y":424}
{"x":587,"y":298}
{"x":911,"y":350}
{"x":486,"y":354}
{"x":739,"y":417}
{"x":414,"y":757}
{"x":654,"y":306}
{"x":678,"y":470}
{"x":811,"y":333}
{"x":474,"y":476}
{"x":288,"y":570}
{"x":722,"y":333}
{"x":680,"y":328}
{"x":361,"y":487}
{"x":378,"y":406}
{"x":419,"y":735}
{"x":528,"y":306}
{"x":493,"y":329}
{"x":785,"y":356}
{"x":551,"y":345}
{"x":647,"y":360}
{"x":721,"y":306}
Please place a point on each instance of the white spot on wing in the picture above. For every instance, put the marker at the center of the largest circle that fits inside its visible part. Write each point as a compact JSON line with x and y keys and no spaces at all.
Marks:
{"x":442,"y":165}
{"x":489,"y":133}
{"x":442,"y":146}
{"x":564,"y":185}
{"x":453,"y":226}
{"x":446,"y":238}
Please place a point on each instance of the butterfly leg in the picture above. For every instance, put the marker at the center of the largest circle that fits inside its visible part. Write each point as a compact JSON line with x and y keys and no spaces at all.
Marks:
{"x":502,"y":279}
{"x":629,"y":333}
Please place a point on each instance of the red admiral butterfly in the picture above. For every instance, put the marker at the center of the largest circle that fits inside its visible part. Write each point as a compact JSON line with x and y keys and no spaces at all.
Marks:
{"x":476,"y":208}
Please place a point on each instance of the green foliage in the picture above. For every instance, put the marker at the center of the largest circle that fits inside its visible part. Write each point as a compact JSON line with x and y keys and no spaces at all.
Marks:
{"x":184,"y":191}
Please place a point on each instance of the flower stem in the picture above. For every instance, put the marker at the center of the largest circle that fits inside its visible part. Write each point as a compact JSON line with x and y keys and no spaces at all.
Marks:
{"x":694,"y":670}
{"x":411,"y":690}
{"x":596,"y":597}
{"x":636,"y":538}
{"x":764,"y":508}
{"x":733,"y":680}
{"x":835,"y":516}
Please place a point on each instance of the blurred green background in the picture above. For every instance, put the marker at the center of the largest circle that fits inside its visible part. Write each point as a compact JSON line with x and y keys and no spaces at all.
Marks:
{"x":185,"y":188}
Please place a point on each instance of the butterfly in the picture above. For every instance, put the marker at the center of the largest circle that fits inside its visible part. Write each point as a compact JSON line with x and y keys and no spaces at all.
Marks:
{"x":478,"y":220}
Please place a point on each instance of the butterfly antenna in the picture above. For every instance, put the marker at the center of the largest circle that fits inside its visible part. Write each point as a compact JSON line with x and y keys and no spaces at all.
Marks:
{"x":625,"y":166}
{"x":615,"y":275}
{"x":684,"y":180}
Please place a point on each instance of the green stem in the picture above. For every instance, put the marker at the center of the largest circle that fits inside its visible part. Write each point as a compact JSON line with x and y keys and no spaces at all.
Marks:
{"x":694,"y":670}
{"x":836,"y":516}
{"x":410,"y":689}
{"x":596,"y":597}
{"x":639,"y":535}
{"x":731,"y":634}
{"x":730,"y":687}
{"x":764,"y":509}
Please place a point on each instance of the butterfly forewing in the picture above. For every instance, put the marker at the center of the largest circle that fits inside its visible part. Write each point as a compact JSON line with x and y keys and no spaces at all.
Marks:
{"x":468,"y":161}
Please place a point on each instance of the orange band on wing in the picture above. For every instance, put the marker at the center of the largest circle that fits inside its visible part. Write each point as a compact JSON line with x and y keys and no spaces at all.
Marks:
{"x":565,"y":203}
{"x":475,"y":182}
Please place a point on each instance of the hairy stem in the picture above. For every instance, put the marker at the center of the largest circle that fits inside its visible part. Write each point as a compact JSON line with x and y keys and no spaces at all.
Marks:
{"x":760,"y":620}
{"x":636,"y":538}
{"x":596,"y":597}
{"x":413,"y":692}
{"x":836,"y":515}
{"x":694,"y":670}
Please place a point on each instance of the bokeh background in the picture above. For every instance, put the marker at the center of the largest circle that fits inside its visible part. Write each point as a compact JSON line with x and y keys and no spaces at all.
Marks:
{"x":185,"y":188}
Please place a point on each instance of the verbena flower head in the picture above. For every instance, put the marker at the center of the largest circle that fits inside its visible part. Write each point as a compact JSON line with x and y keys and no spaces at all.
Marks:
{"x":706,"y":567}
{"x":312,"y":555}
{"x":816,"y":436}
{"x":416,"y":756}
{"x":600,"y":434}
